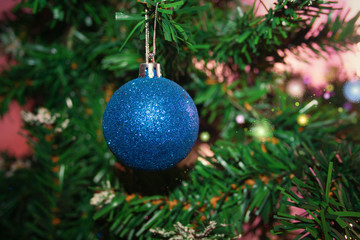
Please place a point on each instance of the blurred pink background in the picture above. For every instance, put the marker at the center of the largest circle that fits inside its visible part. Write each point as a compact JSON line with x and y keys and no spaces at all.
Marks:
{"x":318,"y":69}
{"x":11,"y":124}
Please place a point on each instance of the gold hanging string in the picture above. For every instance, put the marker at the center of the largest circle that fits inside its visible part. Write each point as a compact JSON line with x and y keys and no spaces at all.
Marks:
{"x":149,"y":55}
{"x":147,"y":35}
{"x":148,"y":68}
{"x":154,"y":35}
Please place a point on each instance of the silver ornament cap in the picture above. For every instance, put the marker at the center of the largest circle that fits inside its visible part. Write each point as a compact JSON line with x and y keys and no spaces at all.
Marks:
{"x":150,"y":67}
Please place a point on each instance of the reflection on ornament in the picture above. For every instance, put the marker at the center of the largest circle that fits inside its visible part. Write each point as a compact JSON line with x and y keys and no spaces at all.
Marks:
{"x":240,"y":119}
{"x":205,"y":136}
{"x":295,"y":88}
{"x":303,"y":120}
{"x":352,"y":91}
{"x":261,"y":130}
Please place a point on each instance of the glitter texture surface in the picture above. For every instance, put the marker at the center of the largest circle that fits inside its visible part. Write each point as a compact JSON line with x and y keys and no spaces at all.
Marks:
{"x":150,"y":123}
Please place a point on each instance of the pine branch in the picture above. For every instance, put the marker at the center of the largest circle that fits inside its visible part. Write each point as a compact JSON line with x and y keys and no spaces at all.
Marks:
{"x":327,"y":206}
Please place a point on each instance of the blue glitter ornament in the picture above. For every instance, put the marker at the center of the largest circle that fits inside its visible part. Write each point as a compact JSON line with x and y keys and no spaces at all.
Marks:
{"x":150,"y":123}
{"x":352,"y":91}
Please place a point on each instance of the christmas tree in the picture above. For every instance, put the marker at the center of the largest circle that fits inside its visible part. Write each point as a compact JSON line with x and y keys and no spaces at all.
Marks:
{"x":276,"y":157}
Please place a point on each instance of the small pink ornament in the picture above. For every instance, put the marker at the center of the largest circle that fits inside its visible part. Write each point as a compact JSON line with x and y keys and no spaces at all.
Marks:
{"x":327,"y":95}
{"x":295,"y":88}
{"x":240,"y":119}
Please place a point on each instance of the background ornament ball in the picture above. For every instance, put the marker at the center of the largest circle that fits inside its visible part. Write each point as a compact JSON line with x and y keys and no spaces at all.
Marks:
{"x":205,"y":136}
{"x":150,"y":123}
{"x":352,"y":91}
{"x":326,"y":95}
{"x":303,"y":119}
{"x":347,"y":106}
{"x":330,"y":87}
{"x":261,"y":130}
{"x":295,"y":88}
{"x":240,"y":119}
